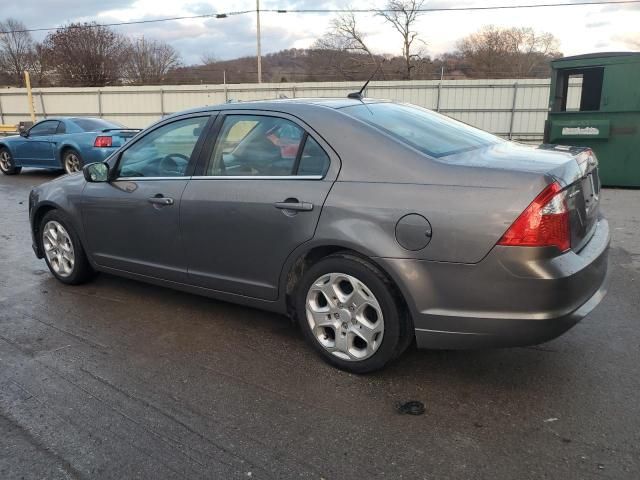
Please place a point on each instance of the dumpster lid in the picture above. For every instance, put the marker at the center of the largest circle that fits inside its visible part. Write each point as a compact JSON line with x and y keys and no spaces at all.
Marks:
{"x":596,"y":56}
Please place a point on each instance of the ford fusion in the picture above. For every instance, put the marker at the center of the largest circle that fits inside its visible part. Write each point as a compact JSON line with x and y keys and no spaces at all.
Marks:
{"x":371,"y":223}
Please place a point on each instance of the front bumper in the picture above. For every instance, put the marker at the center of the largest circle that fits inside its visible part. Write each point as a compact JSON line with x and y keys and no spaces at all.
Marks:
{"x":515,"y":296}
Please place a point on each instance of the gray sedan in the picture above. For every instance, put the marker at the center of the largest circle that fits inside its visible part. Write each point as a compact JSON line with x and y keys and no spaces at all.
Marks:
{"x":371,"y":223}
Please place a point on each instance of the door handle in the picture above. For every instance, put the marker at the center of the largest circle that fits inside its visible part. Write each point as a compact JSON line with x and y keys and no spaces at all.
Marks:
{"x":297,"y":206}
{"x":164,"y":201}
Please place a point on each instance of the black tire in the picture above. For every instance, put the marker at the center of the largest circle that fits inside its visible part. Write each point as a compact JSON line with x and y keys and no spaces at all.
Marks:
{"x":396,"y":322}
{"x":82,"y":270}
{"x":71,"y":161}
{"x":7,"y":164}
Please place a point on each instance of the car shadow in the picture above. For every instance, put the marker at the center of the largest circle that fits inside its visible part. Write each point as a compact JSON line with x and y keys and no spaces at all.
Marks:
{"x":200,"y":319}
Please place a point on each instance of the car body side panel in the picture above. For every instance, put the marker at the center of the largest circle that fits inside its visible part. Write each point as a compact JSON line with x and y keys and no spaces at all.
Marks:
{"x":126,"y":232}
{"x":466,"y":222}
{"x":33,"y":151}
{"x":236,"y":239}
{"x":63,"y":193}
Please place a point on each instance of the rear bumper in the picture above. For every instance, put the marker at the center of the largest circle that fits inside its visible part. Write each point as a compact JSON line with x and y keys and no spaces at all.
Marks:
{"x":95,"y":154}
{"x":515,"y":296}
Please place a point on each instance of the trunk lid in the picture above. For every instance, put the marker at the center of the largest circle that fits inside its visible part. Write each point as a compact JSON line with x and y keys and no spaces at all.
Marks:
{"x":120,"y":135}
{"x":526,"y":168}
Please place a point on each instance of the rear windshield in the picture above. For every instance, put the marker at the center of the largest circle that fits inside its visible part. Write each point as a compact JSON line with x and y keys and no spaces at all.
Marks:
{"x":95,"y":124}
{"x":427,"y":131}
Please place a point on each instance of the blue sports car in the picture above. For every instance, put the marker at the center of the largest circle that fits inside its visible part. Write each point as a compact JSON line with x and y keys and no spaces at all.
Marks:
{"x":62,"y":142}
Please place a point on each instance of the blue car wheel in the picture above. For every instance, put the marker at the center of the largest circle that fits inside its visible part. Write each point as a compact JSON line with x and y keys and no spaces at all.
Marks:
{"x":7,"y":165}
{"x":72,"y":161}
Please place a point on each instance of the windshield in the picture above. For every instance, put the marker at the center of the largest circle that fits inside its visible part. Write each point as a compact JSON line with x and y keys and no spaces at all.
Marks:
{"x":95,"y":124}
{"x":427,"y":131}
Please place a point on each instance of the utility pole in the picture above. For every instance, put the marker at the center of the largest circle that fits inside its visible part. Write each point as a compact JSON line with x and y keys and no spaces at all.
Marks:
{"x":27,"y":82}
{"x":258,"y":41}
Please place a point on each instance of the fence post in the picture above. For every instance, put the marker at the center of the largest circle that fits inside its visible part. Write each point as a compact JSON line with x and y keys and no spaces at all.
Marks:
{"x":294,"y":91}
{"x":44,"y":112}
{"x":439,"y":89}
{"x":162,"y":102}
{"x":1,"y":113}
{"x":99,"y":103}
{"x":513,"y":109}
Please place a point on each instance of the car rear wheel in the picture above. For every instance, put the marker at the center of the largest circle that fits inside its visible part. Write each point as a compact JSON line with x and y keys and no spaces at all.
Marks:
{"x":348,"y":312}
{"x":7,"y":165}
{"x":72,"y":161}
{"x":63,"y":251}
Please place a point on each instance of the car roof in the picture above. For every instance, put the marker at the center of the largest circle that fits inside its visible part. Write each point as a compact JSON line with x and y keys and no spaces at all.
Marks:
{"x":60,"y":119}
{"x":282,"y":104}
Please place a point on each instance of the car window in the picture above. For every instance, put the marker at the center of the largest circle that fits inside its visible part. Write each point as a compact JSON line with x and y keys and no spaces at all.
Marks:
{"x":314,"y":160}
{"x":427,"y":131}
{"x":47,"y":127}
{"x":255,"y":145}
{"x":95,"y":124}
{"x":164,"y":152}
{"x":61,"y":128}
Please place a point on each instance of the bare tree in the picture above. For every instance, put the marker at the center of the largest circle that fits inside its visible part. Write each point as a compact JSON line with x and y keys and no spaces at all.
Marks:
{"x":87,"y":54}
{"x":209,"y":58}
{"x":150,"y":61}
{"x":344,"y":47}
{"x":16,"y":49}
{"x":507,"y":52}
{"x":40,"y":66}
{"x":402,"y":15}
{"x":344,"y":34}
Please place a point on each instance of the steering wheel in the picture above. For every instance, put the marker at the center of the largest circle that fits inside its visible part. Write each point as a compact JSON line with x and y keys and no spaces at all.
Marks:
{"x":174,"y":163}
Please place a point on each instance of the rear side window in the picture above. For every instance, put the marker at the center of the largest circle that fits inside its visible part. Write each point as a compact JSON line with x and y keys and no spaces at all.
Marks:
{"x":424,"y":130}
{"x":256,"y":145}
{"x":314,"y":160}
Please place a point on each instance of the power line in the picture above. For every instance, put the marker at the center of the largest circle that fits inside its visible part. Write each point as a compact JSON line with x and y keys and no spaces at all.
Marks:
{"x":449,"y":9}
{"x":133,"y":22}
{"x":223,"y":15}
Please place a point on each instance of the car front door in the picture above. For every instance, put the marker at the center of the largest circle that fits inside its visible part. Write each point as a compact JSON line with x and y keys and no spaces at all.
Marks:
{"x":132,"y":223}
{"x":36,"y":149}
{"x":258,"y":196}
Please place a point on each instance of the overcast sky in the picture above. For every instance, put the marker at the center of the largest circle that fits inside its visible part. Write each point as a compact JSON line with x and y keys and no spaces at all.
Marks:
{"x":580,"y":29}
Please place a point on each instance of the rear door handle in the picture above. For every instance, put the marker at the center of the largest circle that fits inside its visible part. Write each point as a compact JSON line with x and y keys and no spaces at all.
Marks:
{"x":164,"y":201}
{"x":297,"y":206}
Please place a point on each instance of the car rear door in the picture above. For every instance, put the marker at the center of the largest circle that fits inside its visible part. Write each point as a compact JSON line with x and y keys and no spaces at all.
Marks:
{"x":37,"y":149}
{"x":257,"y":196}
{"x":132,"y":223}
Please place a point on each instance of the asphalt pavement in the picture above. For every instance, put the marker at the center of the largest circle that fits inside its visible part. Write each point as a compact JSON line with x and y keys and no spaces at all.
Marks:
{"x":118,"y":379}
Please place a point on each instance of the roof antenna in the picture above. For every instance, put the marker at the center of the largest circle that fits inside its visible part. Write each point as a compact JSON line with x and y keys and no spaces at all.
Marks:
{"x":358,"y":95}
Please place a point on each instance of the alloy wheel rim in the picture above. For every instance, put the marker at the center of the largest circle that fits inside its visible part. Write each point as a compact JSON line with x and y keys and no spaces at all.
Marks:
{"x":345,"y":317}
{"x":5,"y":161}
{"x":72,"y":163}
{"x":58,"y":248}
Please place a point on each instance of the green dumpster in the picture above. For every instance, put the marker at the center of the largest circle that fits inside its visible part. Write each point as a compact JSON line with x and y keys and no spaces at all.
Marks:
{"x":595,"y":102}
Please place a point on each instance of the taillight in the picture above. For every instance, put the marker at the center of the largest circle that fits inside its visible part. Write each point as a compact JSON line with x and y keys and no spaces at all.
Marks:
{"x":103,"y":141}
{"x":544,"y":223}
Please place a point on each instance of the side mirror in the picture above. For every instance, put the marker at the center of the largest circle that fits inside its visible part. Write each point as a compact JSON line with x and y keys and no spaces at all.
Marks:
{"x":96,"y":172}
{"x":24,"y":133}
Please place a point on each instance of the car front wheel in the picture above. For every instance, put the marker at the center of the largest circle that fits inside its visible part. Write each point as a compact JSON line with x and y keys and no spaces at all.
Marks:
{"x":63,"y":251}
{"x":7,"y":165}
{"x":348,"y":312}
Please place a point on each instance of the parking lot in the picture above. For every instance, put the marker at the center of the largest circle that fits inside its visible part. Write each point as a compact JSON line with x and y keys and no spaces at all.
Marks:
{"x":118,"y":379}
